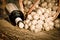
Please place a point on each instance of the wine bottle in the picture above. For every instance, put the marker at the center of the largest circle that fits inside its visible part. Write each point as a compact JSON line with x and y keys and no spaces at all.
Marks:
{"x":15,"y":15}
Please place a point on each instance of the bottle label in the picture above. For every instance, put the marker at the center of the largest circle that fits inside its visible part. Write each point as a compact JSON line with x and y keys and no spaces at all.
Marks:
{"x":11,"y":7}
{"x":18,"y":19}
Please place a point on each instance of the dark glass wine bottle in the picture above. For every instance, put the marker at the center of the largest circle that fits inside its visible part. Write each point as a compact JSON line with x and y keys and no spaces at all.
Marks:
{"x":15,"y":15}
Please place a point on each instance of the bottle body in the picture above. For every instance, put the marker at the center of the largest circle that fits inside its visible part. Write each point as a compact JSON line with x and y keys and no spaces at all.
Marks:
{"x":15,"y":16}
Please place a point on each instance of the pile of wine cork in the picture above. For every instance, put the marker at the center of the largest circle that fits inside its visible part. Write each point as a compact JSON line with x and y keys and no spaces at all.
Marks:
{"x":41,"y":18}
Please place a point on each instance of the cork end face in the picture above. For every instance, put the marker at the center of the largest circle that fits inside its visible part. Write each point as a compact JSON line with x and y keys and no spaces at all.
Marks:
{"x":21,"y":25}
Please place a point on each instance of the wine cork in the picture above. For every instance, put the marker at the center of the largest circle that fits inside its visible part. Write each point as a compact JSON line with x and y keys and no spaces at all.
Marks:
{"x":11,"y":7}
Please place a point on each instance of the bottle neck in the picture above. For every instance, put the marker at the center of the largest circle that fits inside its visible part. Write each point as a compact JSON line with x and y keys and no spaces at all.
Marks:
{"x":19,"y":22}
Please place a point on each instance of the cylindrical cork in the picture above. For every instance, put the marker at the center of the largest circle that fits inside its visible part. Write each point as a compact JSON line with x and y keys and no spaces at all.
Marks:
{"x":11,"y":7}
